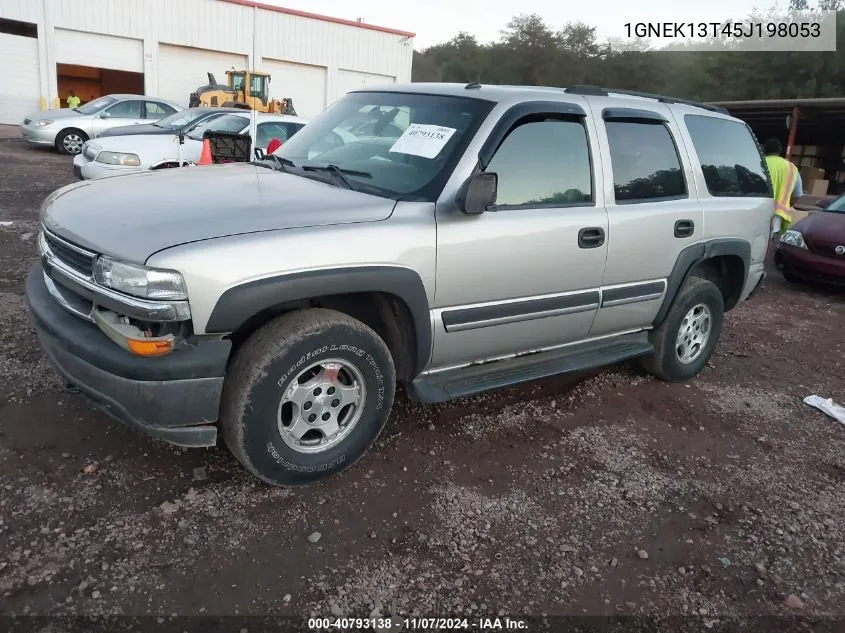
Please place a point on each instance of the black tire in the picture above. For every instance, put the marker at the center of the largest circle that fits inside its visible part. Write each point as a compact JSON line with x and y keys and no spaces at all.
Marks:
{"x":790,"y":276}
{"x":665,"y":362}
{"x":264,"y":368}
{"x":63,"y":137}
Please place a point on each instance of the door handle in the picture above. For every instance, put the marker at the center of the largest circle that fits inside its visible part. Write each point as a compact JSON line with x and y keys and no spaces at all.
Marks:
{"x":591,"y":237}
{"x":684,"y":228}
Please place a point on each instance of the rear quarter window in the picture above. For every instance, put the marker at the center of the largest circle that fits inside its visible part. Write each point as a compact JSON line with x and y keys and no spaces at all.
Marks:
{"x":730,"y":158}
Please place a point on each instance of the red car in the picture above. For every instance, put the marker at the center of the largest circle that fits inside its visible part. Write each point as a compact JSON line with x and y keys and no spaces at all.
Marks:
{"x":813,"y":249}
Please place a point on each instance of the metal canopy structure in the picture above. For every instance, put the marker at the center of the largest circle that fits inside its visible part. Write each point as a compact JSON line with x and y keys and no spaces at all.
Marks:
{"x":796,"y":121}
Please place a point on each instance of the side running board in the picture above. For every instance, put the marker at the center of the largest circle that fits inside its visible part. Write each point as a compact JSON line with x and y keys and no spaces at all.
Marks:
{"x":474,"y":379}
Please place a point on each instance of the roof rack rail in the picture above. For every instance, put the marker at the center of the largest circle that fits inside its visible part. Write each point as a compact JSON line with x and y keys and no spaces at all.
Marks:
{"x":604,"y":92}
{"x":595,"y":91}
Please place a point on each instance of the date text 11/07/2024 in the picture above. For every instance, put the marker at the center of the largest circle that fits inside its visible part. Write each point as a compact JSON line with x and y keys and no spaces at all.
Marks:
{"x":418,"y":624}
{"x":682,"y":30}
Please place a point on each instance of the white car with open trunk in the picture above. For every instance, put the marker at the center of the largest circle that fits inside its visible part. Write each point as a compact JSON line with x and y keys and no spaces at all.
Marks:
{"x":120,"y":155}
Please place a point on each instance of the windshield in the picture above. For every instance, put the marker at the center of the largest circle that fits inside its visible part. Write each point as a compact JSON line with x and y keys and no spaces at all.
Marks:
{"x":227,"y":123}
{"x":398,"y":144}
{"x":96,"y":105}
{"x":178,"y":120}
{"x":837,"y":206}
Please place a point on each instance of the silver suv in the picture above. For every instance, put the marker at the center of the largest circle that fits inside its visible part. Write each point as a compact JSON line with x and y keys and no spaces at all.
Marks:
{"x":471,"y":238}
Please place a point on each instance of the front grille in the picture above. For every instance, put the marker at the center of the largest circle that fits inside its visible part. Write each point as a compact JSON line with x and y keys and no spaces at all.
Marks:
{"x":823,"y":247}
{"x":79,"y":260}
{"x":27,"y":121}
{"x":90,"y":153}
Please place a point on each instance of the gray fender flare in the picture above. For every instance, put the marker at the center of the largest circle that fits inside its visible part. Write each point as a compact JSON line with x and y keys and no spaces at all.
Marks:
{"x":238,"y":304}
{"x":693,"y":255}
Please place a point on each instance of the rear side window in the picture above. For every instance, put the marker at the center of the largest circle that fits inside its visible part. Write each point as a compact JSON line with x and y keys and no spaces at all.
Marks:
{"x":645,"y":162}
{"x":730,"y":159}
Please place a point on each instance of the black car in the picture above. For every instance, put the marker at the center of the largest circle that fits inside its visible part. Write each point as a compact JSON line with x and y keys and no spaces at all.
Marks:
{"x":172,"y":124}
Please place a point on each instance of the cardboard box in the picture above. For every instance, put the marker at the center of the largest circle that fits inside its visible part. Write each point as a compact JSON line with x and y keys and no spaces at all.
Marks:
{"x":799,"y":215}
{"x":809,"y":174}
{"x":806,"y":161}
{"x":797,"y":150}
{"x":811,"y":150}
{"x":819,"y":187}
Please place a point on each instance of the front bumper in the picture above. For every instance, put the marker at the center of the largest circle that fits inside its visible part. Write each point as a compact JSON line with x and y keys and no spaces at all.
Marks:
{"x":38,"y":135}
{"x":175,"y":397}
{"x":92,"y":170}
{"x":810,"y":266}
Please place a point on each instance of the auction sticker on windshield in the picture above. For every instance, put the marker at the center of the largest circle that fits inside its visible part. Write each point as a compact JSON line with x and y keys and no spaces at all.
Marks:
{"x":423,"y":140}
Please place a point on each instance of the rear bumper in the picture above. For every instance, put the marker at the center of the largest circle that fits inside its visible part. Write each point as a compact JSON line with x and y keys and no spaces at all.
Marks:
{"x":754,"y":281}
{"x":756,"y":287}
{"x":175,"y":398}
{"x":810,"y":266}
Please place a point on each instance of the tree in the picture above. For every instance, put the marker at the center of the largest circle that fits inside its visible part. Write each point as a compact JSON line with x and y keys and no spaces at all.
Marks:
{"x":531,"y":52}
{"x":533,"y":49}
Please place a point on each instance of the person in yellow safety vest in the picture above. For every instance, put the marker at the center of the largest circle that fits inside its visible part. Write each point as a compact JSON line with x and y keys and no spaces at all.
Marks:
{"x":786,"y":185}
{"x":72,"y":100}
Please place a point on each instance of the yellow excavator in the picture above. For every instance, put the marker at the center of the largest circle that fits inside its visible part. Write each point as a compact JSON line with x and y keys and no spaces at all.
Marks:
{"x":244,"y":89}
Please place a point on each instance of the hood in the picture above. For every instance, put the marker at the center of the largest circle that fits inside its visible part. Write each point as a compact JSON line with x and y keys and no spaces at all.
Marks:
{"x":133,"y":130}
{"x":64,"y":113}
{"x":137,"y":142}
{"x":131,"y":217}
{"x":823,"y":231}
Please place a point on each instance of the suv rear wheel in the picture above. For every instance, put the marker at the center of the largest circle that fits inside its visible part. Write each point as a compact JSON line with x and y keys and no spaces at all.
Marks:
{"x":306,"y":396}
{"x":685,"y":340}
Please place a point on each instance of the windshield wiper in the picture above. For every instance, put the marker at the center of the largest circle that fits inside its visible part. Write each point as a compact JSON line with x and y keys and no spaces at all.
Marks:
{"x":338,"y":173}
{"x":280,"y":164}
{"x":285,"y":162}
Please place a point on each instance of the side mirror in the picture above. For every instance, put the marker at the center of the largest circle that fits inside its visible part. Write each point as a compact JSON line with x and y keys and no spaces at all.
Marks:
{"x":105,"y":115}
{"x":478,"y":193}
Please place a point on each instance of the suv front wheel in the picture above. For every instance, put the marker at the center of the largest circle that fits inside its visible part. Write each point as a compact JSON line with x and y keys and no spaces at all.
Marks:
{"x":685,"y":340}
{"x":306,"y":395}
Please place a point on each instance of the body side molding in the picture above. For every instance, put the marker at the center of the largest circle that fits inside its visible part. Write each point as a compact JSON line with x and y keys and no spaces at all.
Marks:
{"x":458,"y":319}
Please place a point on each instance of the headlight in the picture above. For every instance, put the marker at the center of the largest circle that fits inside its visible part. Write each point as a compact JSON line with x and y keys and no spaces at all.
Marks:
{"x":118,"y":158}
{"x":45,"y":122}
{"x":140,"y":281}
{"x":793,"y":238}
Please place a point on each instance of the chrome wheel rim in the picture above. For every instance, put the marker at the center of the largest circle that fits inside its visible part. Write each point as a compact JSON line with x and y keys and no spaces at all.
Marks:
{"x":73,"y":143}
{"x":321,"y":406}
{"x":693,"y":334}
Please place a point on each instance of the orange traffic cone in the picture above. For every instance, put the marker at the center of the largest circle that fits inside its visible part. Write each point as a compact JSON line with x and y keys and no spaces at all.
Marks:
{"x":205,"y":157}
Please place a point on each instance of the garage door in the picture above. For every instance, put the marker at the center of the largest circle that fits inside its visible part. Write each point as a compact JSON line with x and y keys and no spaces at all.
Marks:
{"x":181,"y":70}
{"x":99,"y":51}
{"x":306,"y":85}
{"x":352,"y":80}
{"x":20,"y":92}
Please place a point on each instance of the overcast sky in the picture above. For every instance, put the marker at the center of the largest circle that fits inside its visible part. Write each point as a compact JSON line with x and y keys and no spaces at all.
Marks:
{"x":436,"y":21}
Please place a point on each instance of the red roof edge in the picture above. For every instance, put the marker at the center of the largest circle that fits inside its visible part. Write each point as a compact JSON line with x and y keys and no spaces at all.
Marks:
{"x":317,"y":16}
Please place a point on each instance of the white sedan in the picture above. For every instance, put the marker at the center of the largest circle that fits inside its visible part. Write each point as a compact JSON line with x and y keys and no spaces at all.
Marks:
{"x":119,"y":155}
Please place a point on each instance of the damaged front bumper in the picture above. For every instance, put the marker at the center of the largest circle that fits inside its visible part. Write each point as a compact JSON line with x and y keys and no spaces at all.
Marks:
{"x":175,"y":397}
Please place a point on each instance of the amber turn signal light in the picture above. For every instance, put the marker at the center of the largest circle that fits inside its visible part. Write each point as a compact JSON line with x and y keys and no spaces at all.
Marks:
{"x":141,"y":347}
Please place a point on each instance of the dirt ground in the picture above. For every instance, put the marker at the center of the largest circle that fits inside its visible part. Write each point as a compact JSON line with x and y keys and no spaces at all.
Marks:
{"x":605,"y":494}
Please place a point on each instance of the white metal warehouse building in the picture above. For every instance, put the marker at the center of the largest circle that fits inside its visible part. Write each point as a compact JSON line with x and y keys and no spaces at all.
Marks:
{"x":165,"y":48}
